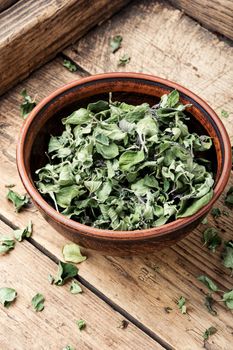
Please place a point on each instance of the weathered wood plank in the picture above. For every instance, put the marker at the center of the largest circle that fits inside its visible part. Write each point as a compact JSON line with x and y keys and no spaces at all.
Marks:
{"x":142,"y":286}
{"x":32,"y":32}
{"x":163,"y":41}
{"x":5,"y":4}
{"x":26,"y":270}
{"x":216,"y":15}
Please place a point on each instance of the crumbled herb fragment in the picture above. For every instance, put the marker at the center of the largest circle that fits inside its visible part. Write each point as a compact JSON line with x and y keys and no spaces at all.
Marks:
{"x":208,"y":332}
{"x":124,"y":167}
{"x":65,"y":272}
{"x":224,"y":113}
{"x":70,"y":66}
{"x":168,"y":309}
{"x":228,"y":299}
{"x":208,"y":283}
{"x":81,"y":324}
{"x":204,"y":221}
{"x":38,"y":302}
{"x":68,"y":347}
{"x":10,"y":186}
{"x":27,"y":105}
{"x":19,"y":201}
{"x":216,"y":213}
{"x":211,"y":239}
{"x":229,"y":197}
{"x":75,"y":288}
{"x":124,"y":60}
{"x":182,"y":305}
{"x":7,"y":296}
{"x":26,"y":232}
{"x":209,"y":301}
{"x":123,"y":324}
{"x":71,"y":252}
{"x":115,"y":43}
{"x":227,"y":255}
{"x":6,"y":244}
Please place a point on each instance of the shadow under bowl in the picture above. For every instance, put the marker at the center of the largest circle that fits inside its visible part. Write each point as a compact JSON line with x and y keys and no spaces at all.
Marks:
{"x":134,"y":88}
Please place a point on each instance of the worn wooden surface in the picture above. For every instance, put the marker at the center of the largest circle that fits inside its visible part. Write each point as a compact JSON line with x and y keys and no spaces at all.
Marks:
{"x":139,"y":287}
{"x":216,"y":15}
{"x":6,"y":4}
{"x":55,"y":327}
{"x":32,"y":32}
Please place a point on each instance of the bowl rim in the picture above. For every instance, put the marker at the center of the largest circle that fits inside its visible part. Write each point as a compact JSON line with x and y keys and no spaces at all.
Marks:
{"x":111,"y":234}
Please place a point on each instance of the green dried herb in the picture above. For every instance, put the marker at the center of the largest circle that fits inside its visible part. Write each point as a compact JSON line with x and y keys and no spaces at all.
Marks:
{"x":229,"y":197}
{"x":75,"y":288}
{"x":6,"y":244}
{"x":208,"y":332}
{"x":68,"y":347}
{"x":50,"y":278}
{"x":38,"y":302}
{"x":125,"y":59}
{"x":216,"y":213}
{"x":224,"y":113}
{"x":7,"y":296}
{"x":228,"y":299}
{"x":27,"y":105}
{"x":70,"y":65}
{"x":26,"y":232}
{"x":71,"y":252}
{"x":124,"y":167}
{"x":227,"y":255}
{"x":204,"y":221}
{"x":182,"y":305}
{"x":18,"y":200}
{"x":81,"y":324}
{"x":211,"y":238}
{"x":65,"y":272}
{"x":208,"y":283}
{"x":115,"y":43}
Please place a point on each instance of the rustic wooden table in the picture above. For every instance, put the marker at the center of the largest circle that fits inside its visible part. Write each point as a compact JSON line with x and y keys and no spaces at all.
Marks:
{"x":163,"y":41}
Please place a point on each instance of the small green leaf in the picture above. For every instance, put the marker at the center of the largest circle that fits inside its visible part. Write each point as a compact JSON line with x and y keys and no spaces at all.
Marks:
{"x":27,"y":105}
{"x":125,"y":59}
{"x":115,"y":43}
{"x":227,"y":255}
{"x":170,"y":100}
{"x":204,"y":221}
{"x":6,"y":244}
{"x":65,"y":272}
{"x":75,"y":288}
{"x":7,"y":296}
{"x":18,"y":200}
{"x":130,"y":158}
{"x":224,"y":113}
{"x":70,"y":65}
{"x":181,"y":304}
{"x":81,"y":324}
{"x":68,"y":347}
{"x":216,"y":213}
{"x":26,"y":232}
{"x":71,"y":252}
{"x":38,"y":302}
{"x":208,"y":332}
{"x":228,"y":299}
{"x":211,"y":238}
{"x":229,"y":197}
{"x":197,"y":204}
{"x":79,"y":117}
{"x":208,"y":283}
{"x":209,"y":301}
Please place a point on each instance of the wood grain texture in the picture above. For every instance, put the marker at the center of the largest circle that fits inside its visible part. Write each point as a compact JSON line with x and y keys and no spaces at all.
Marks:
{"x":32,"y":32}
{"x":142,"y":286}
{"x":163,"y":41}
{"x":216,"y":15}
{"x":26,"y":270}
{"x":6,"y":4}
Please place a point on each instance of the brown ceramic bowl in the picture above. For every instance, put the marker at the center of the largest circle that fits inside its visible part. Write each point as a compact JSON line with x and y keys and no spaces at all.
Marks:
{"x":133,"y":88}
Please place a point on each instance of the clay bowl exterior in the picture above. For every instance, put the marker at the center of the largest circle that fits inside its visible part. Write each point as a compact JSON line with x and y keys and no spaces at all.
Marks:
{"x":133,"y":88}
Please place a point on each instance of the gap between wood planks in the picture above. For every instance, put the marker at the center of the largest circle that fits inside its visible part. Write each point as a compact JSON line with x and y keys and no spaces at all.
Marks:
{"x":95,"y":291}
